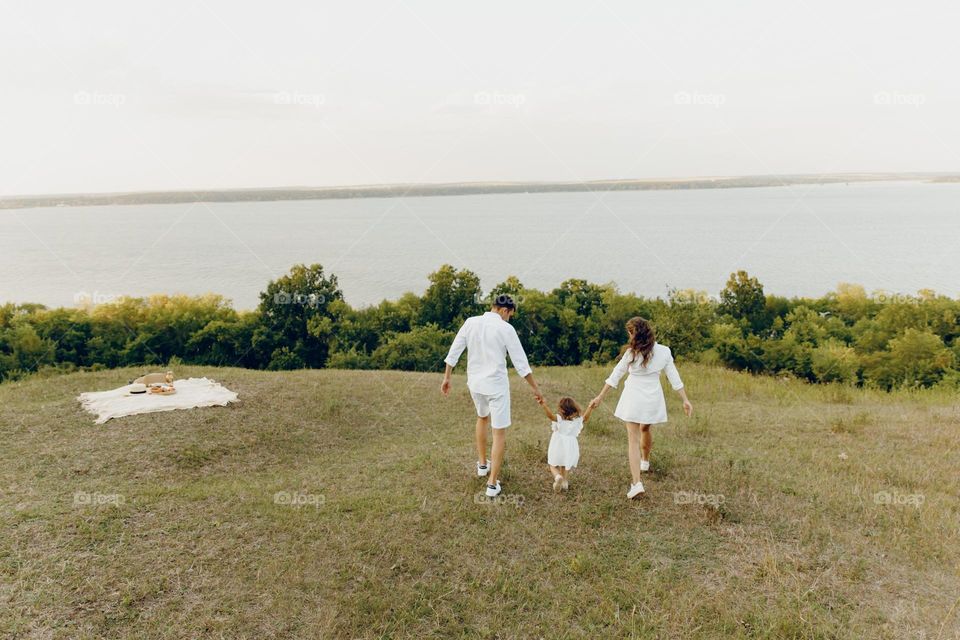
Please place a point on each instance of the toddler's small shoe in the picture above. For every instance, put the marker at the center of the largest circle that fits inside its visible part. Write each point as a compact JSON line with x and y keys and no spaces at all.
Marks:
{"x":557,"y":482}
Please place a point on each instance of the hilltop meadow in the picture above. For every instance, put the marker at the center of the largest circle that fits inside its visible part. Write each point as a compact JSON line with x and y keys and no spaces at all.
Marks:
{"x":344,"y":504}
{"x":338,"y":498}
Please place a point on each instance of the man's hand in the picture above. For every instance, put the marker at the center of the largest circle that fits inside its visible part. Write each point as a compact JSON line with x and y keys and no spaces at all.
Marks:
{"x":538,"y":396}
{"x":445,"y":387}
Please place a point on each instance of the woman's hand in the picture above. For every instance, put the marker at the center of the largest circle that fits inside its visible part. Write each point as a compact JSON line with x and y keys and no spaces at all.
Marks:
{"x":596,"y":402}
{"x":687,"y":408}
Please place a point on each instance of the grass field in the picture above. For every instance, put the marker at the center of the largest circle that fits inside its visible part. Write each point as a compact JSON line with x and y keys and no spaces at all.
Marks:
{"x":780,"y":510}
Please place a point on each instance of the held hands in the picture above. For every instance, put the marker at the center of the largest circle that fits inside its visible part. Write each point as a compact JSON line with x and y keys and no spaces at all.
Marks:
{"x":596,"y":402}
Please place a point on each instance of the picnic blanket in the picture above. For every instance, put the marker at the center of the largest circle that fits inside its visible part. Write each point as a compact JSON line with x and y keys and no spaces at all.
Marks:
{"x":192,"y":392}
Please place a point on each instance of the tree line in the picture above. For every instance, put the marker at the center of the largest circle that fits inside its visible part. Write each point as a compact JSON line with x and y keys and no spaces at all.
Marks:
{"x":302,"y":321}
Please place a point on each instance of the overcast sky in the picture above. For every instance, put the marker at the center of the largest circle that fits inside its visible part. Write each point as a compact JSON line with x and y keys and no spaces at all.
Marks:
{"x":122,"y":96}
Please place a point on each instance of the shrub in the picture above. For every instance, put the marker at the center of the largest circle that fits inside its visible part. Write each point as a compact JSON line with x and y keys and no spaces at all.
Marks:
{"x":351,"y":359}
{"x":421,"y":349}
{"x":835,"y":362}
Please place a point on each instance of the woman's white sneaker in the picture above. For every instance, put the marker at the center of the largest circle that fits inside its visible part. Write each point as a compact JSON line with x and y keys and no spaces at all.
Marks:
{"x":635,"y":490}
{"x":493,"y":490}
{"x":644,"y":465}
{"x":483,"y":469}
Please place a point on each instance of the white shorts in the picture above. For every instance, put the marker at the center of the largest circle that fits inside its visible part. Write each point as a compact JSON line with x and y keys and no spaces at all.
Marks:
{"x":496,"y":406}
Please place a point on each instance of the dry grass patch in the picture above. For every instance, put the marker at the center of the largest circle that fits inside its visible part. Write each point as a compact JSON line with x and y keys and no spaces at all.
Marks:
{"x":342,"y":504}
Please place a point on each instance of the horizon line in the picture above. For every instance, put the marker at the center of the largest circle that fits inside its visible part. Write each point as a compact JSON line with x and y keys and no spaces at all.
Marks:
{"x":477,"y":187}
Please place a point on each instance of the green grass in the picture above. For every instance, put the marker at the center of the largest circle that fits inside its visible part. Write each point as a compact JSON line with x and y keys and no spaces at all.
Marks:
{"x":783,"y":536}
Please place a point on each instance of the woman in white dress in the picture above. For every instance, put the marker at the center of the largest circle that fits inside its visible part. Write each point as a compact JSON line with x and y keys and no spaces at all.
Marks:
{"x":641,"y":403}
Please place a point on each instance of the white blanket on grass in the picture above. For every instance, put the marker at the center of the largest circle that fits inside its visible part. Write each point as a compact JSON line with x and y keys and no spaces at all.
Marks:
{"x":192,"y":392}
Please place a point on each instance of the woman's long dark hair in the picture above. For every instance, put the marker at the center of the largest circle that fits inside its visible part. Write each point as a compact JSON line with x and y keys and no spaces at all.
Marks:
{"x":642,"y":339}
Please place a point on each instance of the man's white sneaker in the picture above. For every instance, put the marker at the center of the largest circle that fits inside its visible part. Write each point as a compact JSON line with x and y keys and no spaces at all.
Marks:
{"x":483,"y":469}
{"x":493,"y":490}
{"x":644,"y":465}
{"x":635,"y":490}
{"x":557,"y":482}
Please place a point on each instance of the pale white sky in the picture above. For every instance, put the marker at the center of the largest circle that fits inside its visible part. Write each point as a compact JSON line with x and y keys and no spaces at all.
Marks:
{"x":121,"y":96}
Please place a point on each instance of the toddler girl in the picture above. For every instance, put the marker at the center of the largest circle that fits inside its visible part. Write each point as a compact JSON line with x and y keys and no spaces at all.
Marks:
{"x":564,"y":451}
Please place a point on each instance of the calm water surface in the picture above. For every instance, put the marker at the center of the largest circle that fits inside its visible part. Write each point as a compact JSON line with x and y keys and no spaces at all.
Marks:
{"x":799,"y":240}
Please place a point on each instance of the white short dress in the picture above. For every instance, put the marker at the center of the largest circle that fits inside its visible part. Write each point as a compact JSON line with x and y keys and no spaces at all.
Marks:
{"x":564,"y":451}
{"x":642,"y":398}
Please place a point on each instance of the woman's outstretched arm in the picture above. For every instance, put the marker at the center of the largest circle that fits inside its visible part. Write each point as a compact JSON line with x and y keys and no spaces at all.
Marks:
{"x":600,"y":396}
{"x":623,"y":365}
{"x":586,"y":414}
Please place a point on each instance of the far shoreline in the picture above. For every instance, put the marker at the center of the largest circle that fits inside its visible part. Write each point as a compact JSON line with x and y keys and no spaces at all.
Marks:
{"x":277,"y":194}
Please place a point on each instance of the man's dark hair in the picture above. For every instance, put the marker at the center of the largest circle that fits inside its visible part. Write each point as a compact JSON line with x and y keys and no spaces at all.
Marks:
{"x":503,"y":301}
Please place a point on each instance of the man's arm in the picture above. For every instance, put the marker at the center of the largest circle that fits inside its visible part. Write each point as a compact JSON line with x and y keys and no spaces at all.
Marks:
{"x":453,"y":356}
{"x":519,"y":359}
{"x":445,"y":385}
{"x":533,"y":385}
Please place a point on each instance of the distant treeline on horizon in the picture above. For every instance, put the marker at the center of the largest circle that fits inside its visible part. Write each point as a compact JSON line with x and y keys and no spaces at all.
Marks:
{"x":445,"y":189}
{"x":847,"y":336}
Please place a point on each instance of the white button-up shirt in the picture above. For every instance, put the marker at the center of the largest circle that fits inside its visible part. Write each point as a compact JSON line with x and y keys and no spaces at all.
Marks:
{"x":488,"y":339}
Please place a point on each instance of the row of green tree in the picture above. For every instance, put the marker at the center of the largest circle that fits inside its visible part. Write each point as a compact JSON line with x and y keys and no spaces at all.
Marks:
{"x":303,"y":321}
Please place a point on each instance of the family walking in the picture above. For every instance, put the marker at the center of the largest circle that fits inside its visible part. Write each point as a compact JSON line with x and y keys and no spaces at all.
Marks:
{"x":490,"y":337}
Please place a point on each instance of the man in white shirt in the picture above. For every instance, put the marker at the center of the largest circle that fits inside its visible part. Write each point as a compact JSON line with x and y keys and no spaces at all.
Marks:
{"x":488,"y":339}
